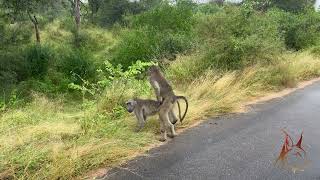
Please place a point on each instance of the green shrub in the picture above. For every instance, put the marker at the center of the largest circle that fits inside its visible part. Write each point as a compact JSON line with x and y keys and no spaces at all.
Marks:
{"x":238,"y":37}
{"x":19,"y":65}
{"x":37,"y":59}
{"x":146,"y":44}
{"x":159,"y":33}
{"x":166,"y":17}
{"x":208,"y":8}
{"x":135,"y":45}
{"x":299,"y":31}
{"x":12,"y":68}
{"x":14,"y":34}
{"x":77,"y":65}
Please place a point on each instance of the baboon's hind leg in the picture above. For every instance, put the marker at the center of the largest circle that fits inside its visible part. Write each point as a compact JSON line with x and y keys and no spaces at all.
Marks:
{"x":172,"y":116}
{"x":163,"y":132}
{"x":165,"y":123}
{"x":165,"y":114}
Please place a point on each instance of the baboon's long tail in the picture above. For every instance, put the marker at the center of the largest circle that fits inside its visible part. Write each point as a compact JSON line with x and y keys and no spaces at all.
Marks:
{"x":187,"y":105}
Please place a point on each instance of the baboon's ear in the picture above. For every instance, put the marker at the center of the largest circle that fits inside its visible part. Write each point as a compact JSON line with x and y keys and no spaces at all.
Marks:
{"x":153,"y":68}
{"x":132,"y":102}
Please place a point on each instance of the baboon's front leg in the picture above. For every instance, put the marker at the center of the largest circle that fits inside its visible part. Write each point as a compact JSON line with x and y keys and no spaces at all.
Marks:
{"x":141,"y":121}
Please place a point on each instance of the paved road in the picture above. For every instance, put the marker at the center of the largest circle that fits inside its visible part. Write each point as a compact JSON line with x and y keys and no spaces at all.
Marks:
{"x":240,"y":147}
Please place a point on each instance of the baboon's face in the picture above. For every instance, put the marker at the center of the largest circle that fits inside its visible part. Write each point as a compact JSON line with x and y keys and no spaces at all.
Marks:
{"x":131,"y":105}
{"x":152,"y":69}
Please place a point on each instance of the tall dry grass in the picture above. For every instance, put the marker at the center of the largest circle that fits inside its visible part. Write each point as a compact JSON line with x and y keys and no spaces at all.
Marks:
{"x":214,"y":93}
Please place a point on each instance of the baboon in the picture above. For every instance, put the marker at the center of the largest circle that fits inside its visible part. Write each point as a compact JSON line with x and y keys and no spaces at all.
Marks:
{"x":166,"y":96}
{"x":143,"y":108}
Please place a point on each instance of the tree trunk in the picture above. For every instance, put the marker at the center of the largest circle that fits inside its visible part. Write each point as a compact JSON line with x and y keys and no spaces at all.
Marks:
{"x":36,"y":27}
{"x":77,"y":13}
{"x":35,"y":22}
{"x":77,"y":17}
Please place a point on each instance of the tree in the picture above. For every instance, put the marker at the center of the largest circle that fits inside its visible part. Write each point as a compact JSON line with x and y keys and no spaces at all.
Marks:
{"x":219,"y":2}
{"x":94,"y":6}
{"x":293,"y":5}
{"x":111,"y":11}
{"x":148,"y":4}
{"x":19,"y":10}
{"x":76,"y":13}
{"x":287,"y":5}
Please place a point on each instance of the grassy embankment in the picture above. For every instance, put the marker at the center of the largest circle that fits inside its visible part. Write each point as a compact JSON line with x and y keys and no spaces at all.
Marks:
{"x":45,"y":139}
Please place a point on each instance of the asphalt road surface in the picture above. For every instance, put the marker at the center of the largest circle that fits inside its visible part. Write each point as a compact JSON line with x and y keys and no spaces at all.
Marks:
{"x":240,"y":147}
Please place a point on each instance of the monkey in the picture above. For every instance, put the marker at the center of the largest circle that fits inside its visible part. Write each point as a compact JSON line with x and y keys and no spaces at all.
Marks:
{"x":167,"y":97}
{"x":143,"y":108}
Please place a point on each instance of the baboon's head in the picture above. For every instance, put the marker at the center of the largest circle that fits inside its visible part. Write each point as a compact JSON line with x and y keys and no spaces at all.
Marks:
{"x":153,"y":70}
{"x":131,"y":105}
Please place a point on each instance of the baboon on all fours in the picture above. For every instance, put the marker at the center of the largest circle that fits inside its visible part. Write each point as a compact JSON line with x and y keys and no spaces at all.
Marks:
{"x":143,"y":108}
{"x":166,"y":96}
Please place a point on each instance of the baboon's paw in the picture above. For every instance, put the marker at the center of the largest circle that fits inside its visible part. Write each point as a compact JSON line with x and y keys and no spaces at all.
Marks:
{"x":171,"y":135}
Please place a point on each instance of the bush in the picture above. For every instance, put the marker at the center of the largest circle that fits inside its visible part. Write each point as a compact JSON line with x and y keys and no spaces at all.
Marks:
{"x":159,"y":33}
{"x":300,"y":31}
{"x":208,"y":8}
{"x":12,"y":68}
{"x":14,"y":34}
{"x":77,"y":65}
{"x":135,"y":45}
{"x":37,"y":59}
{"x":146,"y":45}
{"x":20,"y":65}
{"x":112,"y":11}
{"x":166,"y":17}
{"x":238,"y":37}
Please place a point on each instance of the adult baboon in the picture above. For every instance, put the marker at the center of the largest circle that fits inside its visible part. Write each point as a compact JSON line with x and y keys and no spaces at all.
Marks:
{"x":165,"y":94}
{"x":143,"y":108}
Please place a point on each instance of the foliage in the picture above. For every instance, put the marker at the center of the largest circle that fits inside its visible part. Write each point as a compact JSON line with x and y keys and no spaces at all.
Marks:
{"x":208,"y":8}
{"x":37,"y":59}
{"x":108,"y":75}
{"x":293,"y":5}
{"x":77,"y":64}
{"x":236,"y":38}
{"x":31,"y":62}
{"x":299,"y":31}
{"x":159,"y":33}
{"x":110,"y":12}
{"x":287,"y":5}
{"x":166,"y":17}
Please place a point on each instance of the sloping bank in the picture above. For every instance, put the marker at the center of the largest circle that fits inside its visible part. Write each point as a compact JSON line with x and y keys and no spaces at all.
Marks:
{"x":50,"y":139}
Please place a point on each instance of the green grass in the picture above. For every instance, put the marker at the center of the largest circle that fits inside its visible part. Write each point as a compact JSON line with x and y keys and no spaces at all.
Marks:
{"x":49,"y":139}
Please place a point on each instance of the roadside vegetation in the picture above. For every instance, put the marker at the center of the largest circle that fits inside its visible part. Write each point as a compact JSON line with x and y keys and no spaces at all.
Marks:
{"x":62,"y":92}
